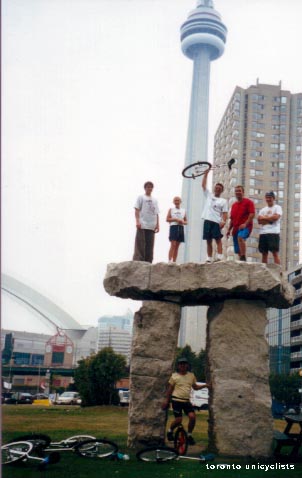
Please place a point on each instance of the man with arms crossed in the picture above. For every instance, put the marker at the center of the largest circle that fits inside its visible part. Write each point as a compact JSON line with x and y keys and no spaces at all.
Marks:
{"x":179,"y":389}
{"x":147,"y":223}
{"x":241,"y":222}
{"x":215,"y":216}
{"x":269,"y":236}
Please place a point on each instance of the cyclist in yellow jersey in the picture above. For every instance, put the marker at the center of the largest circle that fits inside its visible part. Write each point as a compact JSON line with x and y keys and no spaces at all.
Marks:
{"x":179,"y":389}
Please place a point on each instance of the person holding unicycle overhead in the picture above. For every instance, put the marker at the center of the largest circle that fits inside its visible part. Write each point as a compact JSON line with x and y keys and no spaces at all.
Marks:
{"x":179,"y":388}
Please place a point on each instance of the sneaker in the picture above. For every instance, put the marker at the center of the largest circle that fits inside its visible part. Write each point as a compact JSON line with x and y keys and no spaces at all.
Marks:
{"x":170,"y":436}
{"x":242,"y":258}
{"x":191,"y":440}
{"x":209,"y":259}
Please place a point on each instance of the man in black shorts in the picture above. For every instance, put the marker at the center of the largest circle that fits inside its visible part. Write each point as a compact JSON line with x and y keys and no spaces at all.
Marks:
{"x":179,"y":389}
{"x":269,"y":220}
{"x":215,"y":217}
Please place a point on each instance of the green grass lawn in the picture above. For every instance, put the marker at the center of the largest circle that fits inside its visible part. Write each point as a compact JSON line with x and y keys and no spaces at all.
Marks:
{"x":111,"y":423}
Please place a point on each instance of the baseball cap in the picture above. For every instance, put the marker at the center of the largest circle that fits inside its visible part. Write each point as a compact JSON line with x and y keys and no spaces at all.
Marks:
{"x":270,"y":194}
{"x":182,"y":360}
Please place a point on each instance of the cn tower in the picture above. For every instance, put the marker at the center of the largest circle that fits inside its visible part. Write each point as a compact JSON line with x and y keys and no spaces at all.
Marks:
{"x":203,"y":37}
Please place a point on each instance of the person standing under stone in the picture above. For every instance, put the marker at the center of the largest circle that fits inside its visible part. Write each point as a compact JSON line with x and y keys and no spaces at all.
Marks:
{"x":215,"y":217}
{"x":147,"y":224}
{"x":177,"y":218}
{"x":241,"y":222}
{"x":269,"y":219}
{"x":179,"y":389}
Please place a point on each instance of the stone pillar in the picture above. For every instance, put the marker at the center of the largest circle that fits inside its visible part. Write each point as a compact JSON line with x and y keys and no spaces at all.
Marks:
{"x":238,"y":294}
{"x":154,"y":344}
{"x":240,"y":421}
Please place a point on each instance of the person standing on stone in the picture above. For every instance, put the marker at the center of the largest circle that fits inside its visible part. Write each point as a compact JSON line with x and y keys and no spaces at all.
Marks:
{"x":179,"y":390}
{"x":269,"y":219}
{"x":241,"y":222}
{"x":177,"y":218}
{"x":147,"y":224}
{"x":215,"y":217}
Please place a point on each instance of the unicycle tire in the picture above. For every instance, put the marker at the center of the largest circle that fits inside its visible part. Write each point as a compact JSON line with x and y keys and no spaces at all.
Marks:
{"x":181,"y":441}
{"x":157,"y":454}
{"x":195,"y":170}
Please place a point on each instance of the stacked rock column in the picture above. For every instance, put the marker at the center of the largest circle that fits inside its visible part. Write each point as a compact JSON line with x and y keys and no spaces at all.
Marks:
{"x":154,"y":345}
{"x":240,"y":421}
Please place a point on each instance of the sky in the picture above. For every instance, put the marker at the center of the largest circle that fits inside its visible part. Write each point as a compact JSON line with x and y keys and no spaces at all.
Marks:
{"x":95,"y":101}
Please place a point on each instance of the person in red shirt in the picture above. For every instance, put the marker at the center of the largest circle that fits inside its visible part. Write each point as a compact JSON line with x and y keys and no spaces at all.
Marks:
{"x":241,"y":222}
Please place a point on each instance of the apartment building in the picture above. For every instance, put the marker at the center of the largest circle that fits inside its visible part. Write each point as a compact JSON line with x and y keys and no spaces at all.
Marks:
{"x":262,"y":129}
{"x":284,"y":330}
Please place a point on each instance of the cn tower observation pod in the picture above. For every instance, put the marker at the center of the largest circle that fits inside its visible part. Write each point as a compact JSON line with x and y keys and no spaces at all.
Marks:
{"x":203,"y":28}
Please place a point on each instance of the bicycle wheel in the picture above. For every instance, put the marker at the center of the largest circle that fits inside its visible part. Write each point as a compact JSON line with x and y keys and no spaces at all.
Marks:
{"x":73,"y":441}
{"x":158,"y":454}
{"x":181,"y":441}
{"x":196,"y":169}
{"x":15,"y":451}
{"x":96,"y":448}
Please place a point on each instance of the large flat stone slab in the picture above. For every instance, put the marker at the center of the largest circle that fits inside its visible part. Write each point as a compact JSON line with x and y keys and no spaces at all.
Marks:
{"x":193,"y":284}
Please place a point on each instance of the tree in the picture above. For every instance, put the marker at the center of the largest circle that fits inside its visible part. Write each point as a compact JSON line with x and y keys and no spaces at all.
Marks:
{"x":200,"y":366}
{"x":285,"y":388}
{"x":96,"y":376}
{"x":7,"y":351}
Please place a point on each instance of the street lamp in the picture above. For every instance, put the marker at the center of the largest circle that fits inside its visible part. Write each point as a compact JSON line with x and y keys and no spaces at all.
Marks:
{"x":47,"y":381}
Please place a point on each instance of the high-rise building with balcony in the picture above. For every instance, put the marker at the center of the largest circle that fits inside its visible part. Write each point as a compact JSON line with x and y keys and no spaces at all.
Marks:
{"x":295,"y":278}
{"x":262,"y":129}
{"x":284,"y":330}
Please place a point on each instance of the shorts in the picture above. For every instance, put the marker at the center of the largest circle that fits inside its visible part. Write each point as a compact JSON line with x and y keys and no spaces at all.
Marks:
{"x":177,"y":233}
{"x":211,"y":230}
{"x":244,"y":233}
{"x":179,"y":407}
{"x":269,"y":242}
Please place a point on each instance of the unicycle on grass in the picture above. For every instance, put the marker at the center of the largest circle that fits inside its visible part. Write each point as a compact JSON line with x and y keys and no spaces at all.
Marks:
{"x":157,"y":454}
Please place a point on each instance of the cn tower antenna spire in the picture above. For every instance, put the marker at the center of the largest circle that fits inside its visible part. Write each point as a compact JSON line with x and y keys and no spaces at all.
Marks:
{"x":203,"y":37}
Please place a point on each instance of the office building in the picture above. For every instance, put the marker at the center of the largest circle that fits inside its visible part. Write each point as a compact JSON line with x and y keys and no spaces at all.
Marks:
{"x":27,"y":356}
{"x":118,"y":339}
{"x":124,"y":322}
{"x":115,"y":331}
{"x":262,"y":129}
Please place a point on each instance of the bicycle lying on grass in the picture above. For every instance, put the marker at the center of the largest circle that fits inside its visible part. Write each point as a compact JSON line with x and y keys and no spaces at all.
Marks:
{"x":83,"y":445}
{"x":17,"y":451}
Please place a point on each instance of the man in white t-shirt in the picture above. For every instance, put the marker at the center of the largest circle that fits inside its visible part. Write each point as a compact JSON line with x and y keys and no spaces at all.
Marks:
{"x":269,"y":219}
{"x":215,"y":217}
{"x":147,"y":224}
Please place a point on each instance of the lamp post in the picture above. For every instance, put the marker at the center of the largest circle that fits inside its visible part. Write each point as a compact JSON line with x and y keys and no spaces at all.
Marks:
{"x":47,"y":381}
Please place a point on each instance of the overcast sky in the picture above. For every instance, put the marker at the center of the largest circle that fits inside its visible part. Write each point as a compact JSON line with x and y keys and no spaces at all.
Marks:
{"x":95,"y":101}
